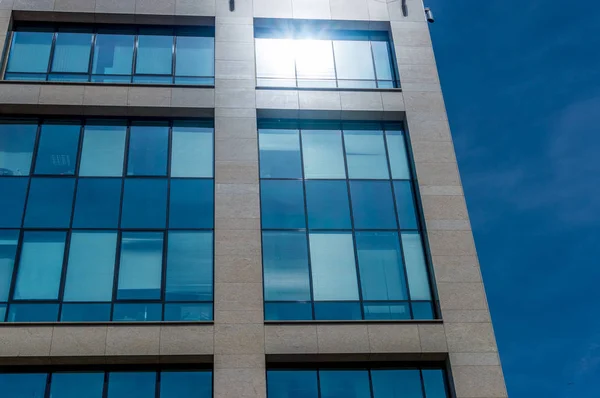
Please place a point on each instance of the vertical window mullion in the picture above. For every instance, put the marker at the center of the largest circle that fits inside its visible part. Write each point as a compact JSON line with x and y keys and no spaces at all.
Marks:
{"x":51,"y":58}
{"x":9,"y":43}
{"x":374,"y":70}
{"x":116,"y":273}
{"x":337,"y":85}
{"x":48,"y":385}
{"x":174,"y":56}
{"x":16,"y":265}
{"x":157,"y":385}
{"x":135,"y":51}
{"x":63,"y":276}
{"x":163,"y":276}
{"x":92,"y":51}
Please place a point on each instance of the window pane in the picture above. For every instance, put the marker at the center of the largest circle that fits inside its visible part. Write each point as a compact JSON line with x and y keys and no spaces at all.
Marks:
{"x":327,"y":205}
{"x":333,"y":267}
{"x":57,"y":151}
{"x":185,"y":385}
{"x":148,"y":150}
{"x":192,"y":152}
{"x":365,"y":152}
{"x":33,"y":313}
{"x":372,"y":205}
{"x":189,"y":266}
{"x":314,"y":60}
{"x":144,"y":203}
{"x":21,"y":385}
{"x":285,"y":263}
{"x":16,"y":147}
{"x":396,"y":384}
{"x":195,"y":56}
{"x":189,"y":312}
{"x":405,"y":204}
{"x":353,"y":60}
{"x":191,"y":203}
{"x":72,"y":52}
{"x":137,"y":312}
{"x":290,"y":311}
{"x":381,"y":267}
{"x":113,"y":54}
{"x":292,"y":384}
{"x":387,"y":310}
{"x":131,"y":384}
{"x":275,"y":59}
{"x":77,"y":385}
{"x":154,"y":56}
{"x":422,"y":310}
{"x":91,"y":266}
{"x":55,"y":213}
{"x":416,"y":269}
{"x":40,"y":266}
{"x":103,"y":151}
{"x":12,"y":201}
{"x":8,"y":250}
{"x":323,"y":154}
{"x":30,"y":52}
{"x":97,"y":203}
{"x":140,"y":271}
{"x":344,"y":383}
{"x":435,"y":387}
{"x":397,"y":153}
{"x":383,"y":60}
{"x":85,"y":312}
{"x":282,"y":204}
{"x":279,"y":153}
{"x":337,"y":311}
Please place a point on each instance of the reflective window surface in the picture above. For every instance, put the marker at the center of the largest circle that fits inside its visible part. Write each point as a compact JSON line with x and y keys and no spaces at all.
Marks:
{"x":96,"y":227}
{"x":311,"y":57}
{"x":113,"y":384}
{"x":341,"y":233}
{"x":107,"y":54}
{"x":357,"y":383}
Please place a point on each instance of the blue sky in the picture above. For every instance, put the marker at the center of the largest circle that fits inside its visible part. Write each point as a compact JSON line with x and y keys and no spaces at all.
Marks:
{"x":521,"y":81}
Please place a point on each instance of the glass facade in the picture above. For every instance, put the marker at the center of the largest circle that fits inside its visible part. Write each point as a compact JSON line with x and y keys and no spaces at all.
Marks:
{"x":112,"y":384}
{"x":357,"y":383}
{"x":311,"y":57}
{"x":341,"y":233}
{"x":112,"y":54}
{"x":106,"y":220}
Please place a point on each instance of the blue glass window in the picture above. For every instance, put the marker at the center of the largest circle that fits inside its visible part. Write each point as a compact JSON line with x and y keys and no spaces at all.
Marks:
{"x":90,"y":270}
{"x":40,"y":266}
{"x":185,"y":385}
{"x":113,"y":53}
{"x":365,"y":152}
{"x":192,"y":150}
{"x":323,"y":154}
{"x":131,"y":384}
{"x":72,"y":52}
{"x":16,"y":148}
{"x":195,"y":54}
{"x":12,"y":201}
{"x":280,"y":153}
{"x":140,"y":269}
{"x":97,"y":203}
{"x":372,"y":205}
{"x":282,"y":204}
{"x":354,"y":64}
{"x":148,"y":150}
{"x":292,"y":384}
{"x":344,"y":383}
{"x":144,"y":203}
{"x":188,"y":312}
{"x":191,"y":203}
{"x":103,"y":150}
{"x":189,"y":266}
{"x":435,"y":384}
{"x":30,"y":385}
{"x":30,"y":52}
{"x":397,"y":153}
{"x":85,"y":312}
{"x":32,"y":312}
{"x":405,"y":204}
{"x":155,"y":53}
{"x":137,"y":312}
{"x":8,"y":250}
{"x":397,"y":383}
{"x":416,"y":268}
{"x":55,"y":213}
{"x":384,"y":69}
{"x":327,"y":205}
{"x":57,"y":150}
{"x":76,"y":385}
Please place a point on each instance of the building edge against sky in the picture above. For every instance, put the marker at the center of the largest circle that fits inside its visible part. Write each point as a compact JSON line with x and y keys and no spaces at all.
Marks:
{"x":239,"y":345}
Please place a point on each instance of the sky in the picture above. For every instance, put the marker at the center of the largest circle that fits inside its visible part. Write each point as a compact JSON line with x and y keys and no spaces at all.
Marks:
{"x":521,"y":81}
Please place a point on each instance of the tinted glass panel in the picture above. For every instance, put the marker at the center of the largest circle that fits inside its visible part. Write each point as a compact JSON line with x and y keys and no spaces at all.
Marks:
{"x":144,"y":203}
{"x":189,"y":266}
{"x":195,"y":56}
{"x":192,"y":152}
{"x":314,"y":62}
{"x":365,"y":152}
{"x":353,"y":60}
{"x":372,"y":205}
{"x":33,"y":313}
{"x":57,"y":151}
{"x":8,"y":250}
{"x":91,"y":266}
{"x":77,"y":385}
{"x":154,"y":56}
{"x":15,"y":385}
{"x":381,"y":266}
{"x":344,"y":384}
{"x":382,"y":59}
{"x":397,"y":154}
{"x":55,"y":213}
{"x":16,"y":147}
{"x":405,"y":205}
{"x":327,"y":205}
{"x":103,"y":151}
{"x":140,"y":272}
{"x":333,"y":267}
{"x":148,"y":150}
{"x":113,"y":54}
{"x":435,"y":386}
{"x":40,"y":266}
{"x":280,"y":153}
{"x":396,"y":384}
{"x":189,"y":312}
{"x":185,"y":385}
{"x":275,"y":58}
{"x":131,"y":384}
{"x":137,"y":312}
{"x":85,"y":312}
{"x":416,"y":269}
{"x":292,"y":384}
{"x":288,"y":311}
{"x":97,"y":203}
{"x":191,"y":203}
{"x":30,"y":52}
{"x":72,"y":52}
{"x":12,"y":201}
{"x":386,"y":310}
{"x":282,"y":204}
{"x":323,"y":154}
{"x":285,"y":261}
{"x":337,"y":311}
